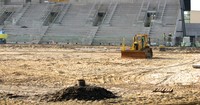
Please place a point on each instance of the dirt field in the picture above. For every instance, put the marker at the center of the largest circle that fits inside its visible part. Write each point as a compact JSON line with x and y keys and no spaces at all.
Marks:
{"x":28,"y":72}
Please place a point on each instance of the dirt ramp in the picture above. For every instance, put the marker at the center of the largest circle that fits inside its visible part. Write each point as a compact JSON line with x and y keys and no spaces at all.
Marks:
{"x":79,"y":93}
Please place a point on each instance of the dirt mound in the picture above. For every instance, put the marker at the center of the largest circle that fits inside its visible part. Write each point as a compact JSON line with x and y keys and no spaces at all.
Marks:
{"x":79,"y":93}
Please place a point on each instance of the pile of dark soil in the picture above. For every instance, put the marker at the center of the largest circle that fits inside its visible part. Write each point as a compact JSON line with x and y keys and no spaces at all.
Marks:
{"x":79,"y":93}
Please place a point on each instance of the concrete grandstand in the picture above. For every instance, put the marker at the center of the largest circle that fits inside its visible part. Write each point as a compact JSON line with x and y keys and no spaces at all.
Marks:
{"x":89,"y":22}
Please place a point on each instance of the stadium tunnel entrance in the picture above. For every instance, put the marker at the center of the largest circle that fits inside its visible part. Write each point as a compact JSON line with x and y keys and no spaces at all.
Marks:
{"x":151,"y":15}
{"x":50,"y":18}
{"x":100,"y":15}
{"x":4,"y":16}
{"x":99,"y":18}
{"x":27,"y":1}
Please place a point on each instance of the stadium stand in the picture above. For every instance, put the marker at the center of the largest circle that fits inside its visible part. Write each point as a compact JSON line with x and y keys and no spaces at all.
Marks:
{"x":168,"y":22}
{"x":90,"y":22}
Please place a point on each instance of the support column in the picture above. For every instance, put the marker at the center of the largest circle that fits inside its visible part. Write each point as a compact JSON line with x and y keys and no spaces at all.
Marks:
{"x":182,"y":7}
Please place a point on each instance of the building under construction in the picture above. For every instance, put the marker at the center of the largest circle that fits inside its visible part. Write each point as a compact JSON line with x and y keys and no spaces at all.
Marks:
{"x":99,"y":22}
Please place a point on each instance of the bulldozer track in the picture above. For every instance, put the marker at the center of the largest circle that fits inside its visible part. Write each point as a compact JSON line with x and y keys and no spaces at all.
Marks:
{"x":151,"y":70}
{"x":133,"y":76}
{"x":128,"y":78}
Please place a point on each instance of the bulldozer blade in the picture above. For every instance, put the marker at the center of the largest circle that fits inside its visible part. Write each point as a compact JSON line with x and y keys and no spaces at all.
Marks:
{"x":133,"y":54}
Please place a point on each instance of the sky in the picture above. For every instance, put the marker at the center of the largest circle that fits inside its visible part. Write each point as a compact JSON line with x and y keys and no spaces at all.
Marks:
{"x":195,"y":5}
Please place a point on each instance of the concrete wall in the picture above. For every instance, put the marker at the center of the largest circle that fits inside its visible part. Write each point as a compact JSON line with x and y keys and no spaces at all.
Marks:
{"x":74,"y":1}
{"x":103,"y":1}
{"x":22,"y":1}
{"x":4,"y":2}
{"x":192,"y":29}
{"x":195,"y":17}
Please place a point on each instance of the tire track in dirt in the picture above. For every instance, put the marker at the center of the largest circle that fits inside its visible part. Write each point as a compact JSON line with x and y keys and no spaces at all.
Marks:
{"x":152,"y":70}
{"x":135,"y":74}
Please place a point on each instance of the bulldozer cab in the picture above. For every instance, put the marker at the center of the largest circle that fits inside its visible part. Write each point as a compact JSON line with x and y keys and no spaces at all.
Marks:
{"x":140,"y":41}
{"x":139,"y":49}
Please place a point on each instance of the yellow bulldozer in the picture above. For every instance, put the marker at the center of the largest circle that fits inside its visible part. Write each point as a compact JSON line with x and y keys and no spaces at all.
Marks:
{"x":3,"y":37}
{"x":140,"y":48}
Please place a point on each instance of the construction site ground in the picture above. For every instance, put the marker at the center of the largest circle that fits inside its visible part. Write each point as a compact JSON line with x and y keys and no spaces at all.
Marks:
{"x":30,"y":71}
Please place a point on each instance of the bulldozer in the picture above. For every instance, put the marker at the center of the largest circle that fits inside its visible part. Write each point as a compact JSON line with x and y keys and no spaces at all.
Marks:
{"x":140,"y":48}
{"x":3,"y":37}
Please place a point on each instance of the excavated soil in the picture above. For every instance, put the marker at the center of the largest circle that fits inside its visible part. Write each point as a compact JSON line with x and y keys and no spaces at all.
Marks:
{"x":79,"y":93}
{"x":45,"y":75}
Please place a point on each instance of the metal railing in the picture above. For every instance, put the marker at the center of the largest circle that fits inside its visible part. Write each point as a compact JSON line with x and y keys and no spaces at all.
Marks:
{"x":108,"y":10}
{"x":111,"y":14}
{"x":19,"y":16}
{"x":10,"y":17}
{"x":145,"y":16}
{"x":92,"y":35}
{"x":151,"y":28}
{"x":143,"y":7}
{"x":93,"y":11}
{"x":158,"y":9}
{"x":2,"y":14}
{"x":23,"y":11}
{"x":63,"y":12}
{"x":177,"y":21}
{"x":163,"y":11}
{"x":140,"y":10}
{"x":45,"y":11}
{"x":59,"y":10}
{"x":49,"y":9}
{"x":51,"y":24}
{"x":2,"y":11}
{"x":96,"y":11}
